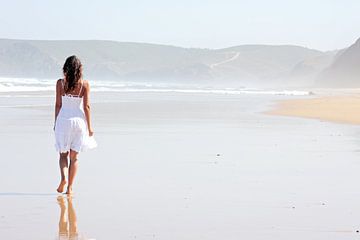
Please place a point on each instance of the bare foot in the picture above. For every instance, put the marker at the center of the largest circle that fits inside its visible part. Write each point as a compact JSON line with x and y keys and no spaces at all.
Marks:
{"x":61,"y":187}
{"x":69,"y":190}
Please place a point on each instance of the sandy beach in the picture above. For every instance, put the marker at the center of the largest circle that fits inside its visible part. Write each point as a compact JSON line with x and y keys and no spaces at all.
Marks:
{"x":338,"y":108}
{"x":181,"y":166}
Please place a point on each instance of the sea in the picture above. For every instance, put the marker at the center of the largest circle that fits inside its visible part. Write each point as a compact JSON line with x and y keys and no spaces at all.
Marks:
{"x":9,"y":85}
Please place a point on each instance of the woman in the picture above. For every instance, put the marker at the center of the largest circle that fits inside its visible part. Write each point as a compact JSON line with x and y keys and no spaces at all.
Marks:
{"x":73,"y":131}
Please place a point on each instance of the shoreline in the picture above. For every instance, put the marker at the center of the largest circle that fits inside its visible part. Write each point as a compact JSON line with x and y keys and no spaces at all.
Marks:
{"x":336,"y":108}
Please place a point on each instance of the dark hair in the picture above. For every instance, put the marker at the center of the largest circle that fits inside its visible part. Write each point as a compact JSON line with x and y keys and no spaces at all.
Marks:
{"x":73,"y":72}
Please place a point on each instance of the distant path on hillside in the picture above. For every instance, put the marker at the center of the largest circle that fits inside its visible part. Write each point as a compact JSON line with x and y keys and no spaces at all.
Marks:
{"x":237,"y":54}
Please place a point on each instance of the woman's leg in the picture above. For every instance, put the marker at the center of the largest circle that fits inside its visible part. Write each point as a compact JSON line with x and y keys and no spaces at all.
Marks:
{"x":63,"y":163}
{"x":72,"y":170}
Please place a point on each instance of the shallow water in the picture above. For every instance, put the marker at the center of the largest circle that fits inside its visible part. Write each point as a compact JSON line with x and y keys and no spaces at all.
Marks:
{"x":181,"y":166}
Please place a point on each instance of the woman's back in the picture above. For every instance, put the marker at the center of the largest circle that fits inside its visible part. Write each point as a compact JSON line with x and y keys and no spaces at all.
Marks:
{"x":72,"y":104}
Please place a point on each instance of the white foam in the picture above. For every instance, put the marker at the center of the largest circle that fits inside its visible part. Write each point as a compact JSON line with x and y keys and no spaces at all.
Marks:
{"x":9,"y":85}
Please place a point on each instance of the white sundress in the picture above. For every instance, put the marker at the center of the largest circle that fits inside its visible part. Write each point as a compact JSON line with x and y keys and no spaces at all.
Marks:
{"x":71,"y":130}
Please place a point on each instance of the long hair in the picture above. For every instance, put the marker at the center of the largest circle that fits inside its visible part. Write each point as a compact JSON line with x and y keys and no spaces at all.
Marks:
{"x":73,"y":72}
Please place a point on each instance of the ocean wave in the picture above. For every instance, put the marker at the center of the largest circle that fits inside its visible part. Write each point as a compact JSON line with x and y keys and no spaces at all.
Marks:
{"x":8,"y":85}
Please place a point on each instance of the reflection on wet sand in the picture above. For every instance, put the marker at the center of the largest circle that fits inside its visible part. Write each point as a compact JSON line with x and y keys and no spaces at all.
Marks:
{"x":68,"y":221}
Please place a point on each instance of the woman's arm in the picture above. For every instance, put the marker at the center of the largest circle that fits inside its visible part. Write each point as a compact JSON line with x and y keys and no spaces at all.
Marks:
{"x":87,"y":106}
{"x":58,"y":101}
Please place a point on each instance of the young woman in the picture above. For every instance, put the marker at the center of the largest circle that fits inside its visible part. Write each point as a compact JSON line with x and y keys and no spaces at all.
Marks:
{"x":73,"y":131}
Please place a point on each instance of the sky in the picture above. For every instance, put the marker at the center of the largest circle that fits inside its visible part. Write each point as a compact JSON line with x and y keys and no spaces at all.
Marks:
{"x":318,"y":24}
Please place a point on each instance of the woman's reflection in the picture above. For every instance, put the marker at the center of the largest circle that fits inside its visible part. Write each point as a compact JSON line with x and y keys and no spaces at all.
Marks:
{"x":67,"y":223}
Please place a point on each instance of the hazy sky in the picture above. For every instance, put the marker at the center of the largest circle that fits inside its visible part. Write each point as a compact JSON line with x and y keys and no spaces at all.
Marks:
{"x":319,"y":24}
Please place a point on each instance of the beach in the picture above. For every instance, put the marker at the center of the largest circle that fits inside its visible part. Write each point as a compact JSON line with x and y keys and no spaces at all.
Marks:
{"x":339,"y":108}
{"x":185,"y":165}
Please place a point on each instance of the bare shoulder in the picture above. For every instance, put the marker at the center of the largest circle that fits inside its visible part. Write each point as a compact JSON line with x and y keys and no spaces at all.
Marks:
{"x":58,"y":82}
{"x":86,"y":84}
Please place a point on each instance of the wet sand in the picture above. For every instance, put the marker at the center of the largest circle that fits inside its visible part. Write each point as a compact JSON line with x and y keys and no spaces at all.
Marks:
{"x":180,"y":166}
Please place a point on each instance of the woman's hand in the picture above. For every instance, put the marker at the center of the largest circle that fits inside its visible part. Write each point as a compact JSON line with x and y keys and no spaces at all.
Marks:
{"x":91,"y":132}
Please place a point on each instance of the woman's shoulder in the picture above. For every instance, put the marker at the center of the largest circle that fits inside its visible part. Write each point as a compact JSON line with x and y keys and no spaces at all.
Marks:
{"x":59,"y":82}
{"x":85,"y":83}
